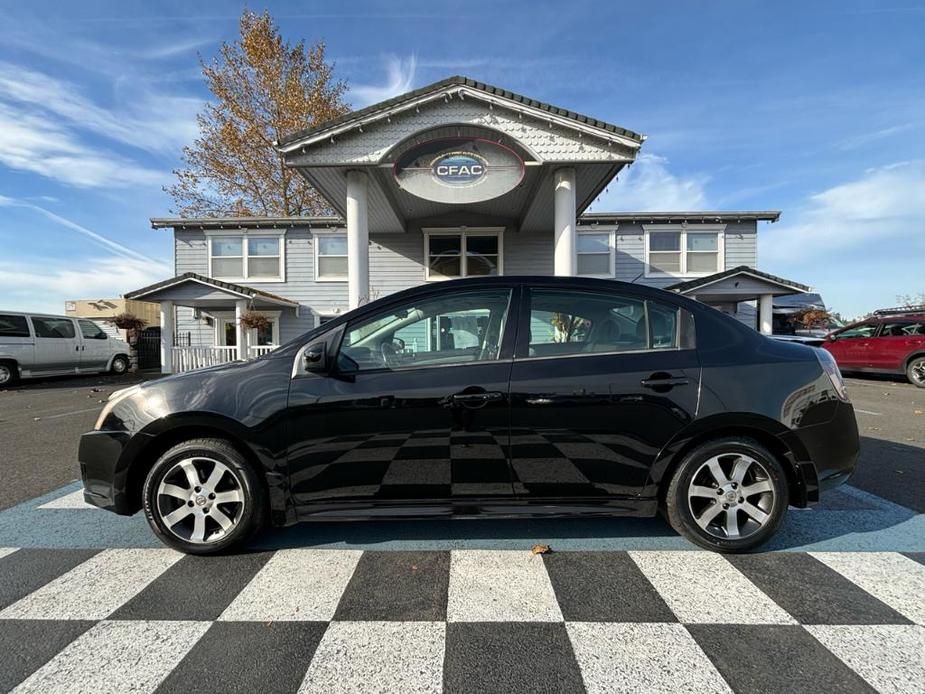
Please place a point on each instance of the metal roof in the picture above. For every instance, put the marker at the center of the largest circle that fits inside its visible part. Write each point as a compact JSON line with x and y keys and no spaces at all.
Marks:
{"x":456,"y":81}
{"x":218,"y":284}
{"x":684,"y":287}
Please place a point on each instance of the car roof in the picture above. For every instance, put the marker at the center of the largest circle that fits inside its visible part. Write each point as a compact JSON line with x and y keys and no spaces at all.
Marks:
{"x":39,"y":315}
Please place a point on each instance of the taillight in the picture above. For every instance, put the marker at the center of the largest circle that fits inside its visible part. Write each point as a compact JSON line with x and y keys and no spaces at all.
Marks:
{"x":828,"y":364}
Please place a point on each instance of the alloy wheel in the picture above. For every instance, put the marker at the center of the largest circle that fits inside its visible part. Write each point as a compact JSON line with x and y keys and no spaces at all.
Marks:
{"x":200,"y":500}
{"x":119,"y":366}
{"x":731,"y":496}
{"x":917,"y":372}
{"x":6,"y":374}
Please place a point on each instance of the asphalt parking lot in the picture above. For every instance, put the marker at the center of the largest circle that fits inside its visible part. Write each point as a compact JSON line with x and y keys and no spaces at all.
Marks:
{"x":90,"y":601}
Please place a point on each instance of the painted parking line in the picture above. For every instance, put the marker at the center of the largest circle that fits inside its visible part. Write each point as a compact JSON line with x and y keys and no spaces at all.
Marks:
{"x":74,"y":500}
{"x":68,"y":414}
{"x":875,"y":414}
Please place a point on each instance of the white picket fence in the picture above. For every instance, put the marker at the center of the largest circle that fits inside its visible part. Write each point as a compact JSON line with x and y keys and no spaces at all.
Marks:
{"x":189,"y":358}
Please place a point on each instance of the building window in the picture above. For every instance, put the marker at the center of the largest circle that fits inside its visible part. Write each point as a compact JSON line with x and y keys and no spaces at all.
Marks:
{"x":673,"y":250}
{"x":251,"y":257}
{"x":331,"y":257}
{"x":462,"y":253}
{"x":594,"y":254}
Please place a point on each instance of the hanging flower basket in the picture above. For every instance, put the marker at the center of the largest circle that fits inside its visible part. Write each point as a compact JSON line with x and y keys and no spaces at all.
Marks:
{"x":255,"y":321}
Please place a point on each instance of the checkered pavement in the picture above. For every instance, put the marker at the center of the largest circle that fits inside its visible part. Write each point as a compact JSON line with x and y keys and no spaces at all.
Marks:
{"x":322,"y":620}
{"x":431,"y":464}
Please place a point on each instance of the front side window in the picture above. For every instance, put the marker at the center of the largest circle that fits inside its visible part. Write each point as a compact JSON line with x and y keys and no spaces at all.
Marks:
{"x":58,"y":328}
{"x":683,"y":252}
{"x":593,"y":254}
{"x":91,"y":331}
{"x":331,"y":257}
{"x":239,"y":257}
{"x":468,"y":253}
{"x":858,"y":331}
{"x":573,"y":322}
{"x":453,"y":329}
{"x":13,"y":326}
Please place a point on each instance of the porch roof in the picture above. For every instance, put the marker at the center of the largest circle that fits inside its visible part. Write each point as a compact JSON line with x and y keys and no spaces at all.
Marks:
{"x":191,"y":289}
{"x":742,"y":283}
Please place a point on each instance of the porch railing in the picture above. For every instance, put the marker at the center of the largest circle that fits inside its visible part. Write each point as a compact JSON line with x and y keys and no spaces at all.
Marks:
{"x":189,"y":358}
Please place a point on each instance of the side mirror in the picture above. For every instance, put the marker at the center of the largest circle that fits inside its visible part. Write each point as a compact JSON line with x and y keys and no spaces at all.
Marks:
{"x":830,"y":337}
{"x":314,"y":358}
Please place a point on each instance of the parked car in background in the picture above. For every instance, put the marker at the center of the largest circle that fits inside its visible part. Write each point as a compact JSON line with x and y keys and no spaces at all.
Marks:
{"x":497,"y":396}
{"x":889,"y":342}
{"x":35,"y":344}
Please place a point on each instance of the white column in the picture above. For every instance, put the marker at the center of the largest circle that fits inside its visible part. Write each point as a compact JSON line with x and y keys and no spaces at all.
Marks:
{"x":357,"y":239}
{"x":765,"y":309}
{"x":240,"y":307}
{"x":167,"y":320}
{"x":564,"y":221}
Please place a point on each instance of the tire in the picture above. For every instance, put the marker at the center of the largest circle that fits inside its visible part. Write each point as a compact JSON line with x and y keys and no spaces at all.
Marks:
{"x":9,"y":374}
{"x":915,"y":372}
{"x":120,"y":365}
{"x":756,"y":516}
{"x":170,"y":494}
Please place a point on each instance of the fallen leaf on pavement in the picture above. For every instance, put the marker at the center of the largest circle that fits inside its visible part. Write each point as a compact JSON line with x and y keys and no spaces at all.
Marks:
{"x":541,"y":549}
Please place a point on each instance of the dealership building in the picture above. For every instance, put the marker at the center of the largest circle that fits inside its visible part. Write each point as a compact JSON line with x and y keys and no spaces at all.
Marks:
{"x":456,"y":179}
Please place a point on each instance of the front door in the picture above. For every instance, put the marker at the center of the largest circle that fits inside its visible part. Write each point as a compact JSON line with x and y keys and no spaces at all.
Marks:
{"x":601,"y":382}
{"x":416,"y":408}
{"x":851,"y":346}
{"x":94,"y":347}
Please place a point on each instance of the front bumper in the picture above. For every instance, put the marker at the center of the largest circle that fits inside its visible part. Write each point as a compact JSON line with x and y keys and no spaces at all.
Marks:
{"x":105,"y":476}
{"x":833,"y":446}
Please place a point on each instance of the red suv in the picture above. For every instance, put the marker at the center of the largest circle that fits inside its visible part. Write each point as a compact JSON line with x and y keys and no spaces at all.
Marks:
{"x":891,"y":344}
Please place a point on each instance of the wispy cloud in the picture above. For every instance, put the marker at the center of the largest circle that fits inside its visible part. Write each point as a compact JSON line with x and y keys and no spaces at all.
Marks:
{"x":44,"y":285}
{"x":883,"y":204}
{"x":400,"y":75}
{"x":858,"y":141}
{"x":35,"y":144}
{"x":650,"y":185}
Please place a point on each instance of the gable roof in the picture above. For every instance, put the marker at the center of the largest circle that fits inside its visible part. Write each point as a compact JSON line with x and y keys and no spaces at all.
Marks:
{"x":457,"y":82}
{"x":240,"y":289}
{"x":685,"y":287}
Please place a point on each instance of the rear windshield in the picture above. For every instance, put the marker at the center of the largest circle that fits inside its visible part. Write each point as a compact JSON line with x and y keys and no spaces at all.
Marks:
{"x":13,"y":326}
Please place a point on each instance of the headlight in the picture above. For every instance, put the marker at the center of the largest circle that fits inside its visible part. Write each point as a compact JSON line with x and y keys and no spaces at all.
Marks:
{"x":116,"y":396}
{"x":828,"y":364}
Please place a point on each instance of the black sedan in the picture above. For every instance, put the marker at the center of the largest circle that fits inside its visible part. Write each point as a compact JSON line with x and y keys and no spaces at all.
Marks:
{"x":509,"y":396}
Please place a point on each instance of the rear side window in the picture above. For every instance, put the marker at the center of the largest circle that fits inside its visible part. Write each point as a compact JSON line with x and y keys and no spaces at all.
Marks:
{"x":903,"y":329}
{"x":61,"y":328}
{"x":566,"y":322}
{"x":13,"y":326}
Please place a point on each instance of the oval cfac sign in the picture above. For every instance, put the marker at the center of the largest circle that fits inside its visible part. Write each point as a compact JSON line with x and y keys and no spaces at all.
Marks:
{"x":458,"y":168}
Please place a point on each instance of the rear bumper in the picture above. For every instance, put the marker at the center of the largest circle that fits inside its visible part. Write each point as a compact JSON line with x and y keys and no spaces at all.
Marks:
{"x":833,"y":446}
{"x":102,"y":469}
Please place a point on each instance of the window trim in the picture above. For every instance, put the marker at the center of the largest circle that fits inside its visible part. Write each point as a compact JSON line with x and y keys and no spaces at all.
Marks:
{"x":462,"y":232}
{"x":317,"y":234}
{"x":612,"y":247}
{"x":684,"y":229}
{"x":243,"y":234}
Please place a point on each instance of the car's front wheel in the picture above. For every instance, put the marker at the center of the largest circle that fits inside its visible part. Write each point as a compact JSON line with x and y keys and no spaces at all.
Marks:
{"x":203,"y":497}
{"x":915,"y":372}
{"x":119,"y":365}
{"x":728,"y":495}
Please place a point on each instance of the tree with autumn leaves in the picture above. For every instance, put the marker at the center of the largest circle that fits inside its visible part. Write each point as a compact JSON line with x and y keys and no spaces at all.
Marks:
{"x":264,"y":88}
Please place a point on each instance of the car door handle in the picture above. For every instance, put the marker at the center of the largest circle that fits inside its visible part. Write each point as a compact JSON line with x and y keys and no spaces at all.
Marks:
{"x":470,"y":398}
{"x":666,"y":381}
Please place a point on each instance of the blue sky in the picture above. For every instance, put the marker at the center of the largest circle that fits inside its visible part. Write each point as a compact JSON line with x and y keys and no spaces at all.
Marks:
{"x":813,"y":108}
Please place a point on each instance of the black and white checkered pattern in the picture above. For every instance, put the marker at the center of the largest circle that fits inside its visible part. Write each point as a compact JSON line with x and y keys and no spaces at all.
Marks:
{"x":470,"y":620}
{"x":438,"y":465}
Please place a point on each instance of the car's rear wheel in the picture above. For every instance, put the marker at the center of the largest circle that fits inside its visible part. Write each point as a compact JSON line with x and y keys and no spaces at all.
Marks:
{"x":202,"y":497}
{"x":915,"y":372}
{"x":728,"y":495}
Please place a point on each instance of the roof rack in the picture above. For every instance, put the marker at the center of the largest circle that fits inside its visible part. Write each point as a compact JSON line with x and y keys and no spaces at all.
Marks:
{"x":900,"y":309}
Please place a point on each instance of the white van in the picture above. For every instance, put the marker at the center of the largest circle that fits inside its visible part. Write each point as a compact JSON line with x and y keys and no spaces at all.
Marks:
{"x":36,"y":344}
